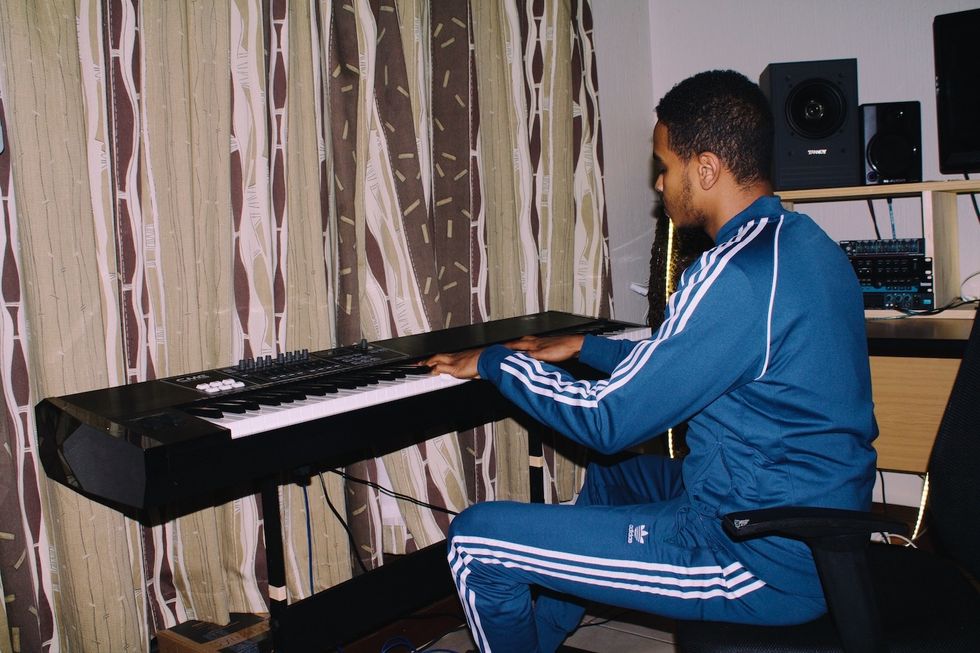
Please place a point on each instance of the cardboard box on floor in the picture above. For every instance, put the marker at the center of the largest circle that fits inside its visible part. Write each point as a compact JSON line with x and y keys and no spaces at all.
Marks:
{"x":245,"y":633}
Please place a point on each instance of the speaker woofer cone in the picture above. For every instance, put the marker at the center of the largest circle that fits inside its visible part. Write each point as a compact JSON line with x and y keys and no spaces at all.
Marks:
{"x":815,"y":108}
{"x":891,"y":155}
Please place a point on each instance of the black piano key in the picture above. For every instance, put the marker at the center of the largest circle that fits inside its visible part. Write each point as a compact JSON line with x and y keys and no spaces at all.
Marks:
{"x":316,"y":389}
{"x":360,"y":379}
{"x":388,"y":374}
{"x":415,"y":370}
{"x":284,"y":394}
{"x":347,"y":382}
{"x":204,"y":411}
{"x":307,"y":390}
{"x":231,"y":407}
{"x":266,"y":399}
{"x":247,"y":403}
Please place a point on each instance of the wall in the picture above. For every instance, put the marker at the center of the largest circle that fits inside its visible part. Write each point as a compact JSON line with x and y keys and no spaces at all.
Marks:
{"x":622,"y":38}
{"x":891,"y":39}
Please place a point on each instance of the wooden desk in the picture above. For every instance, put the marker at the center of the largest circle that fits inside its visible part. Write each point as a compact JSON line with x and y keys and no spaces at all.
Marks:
{"x":913,"y":364}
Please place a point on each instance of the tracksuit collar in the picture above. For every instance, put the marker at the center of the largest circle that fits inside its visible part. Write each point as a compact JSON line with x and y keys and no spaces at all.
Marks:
{"x":764,"y":207}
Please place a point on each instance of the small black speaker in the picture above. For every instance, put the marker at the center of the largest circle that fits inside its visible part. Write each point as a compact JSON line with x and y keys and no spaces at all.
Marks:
{"x":892,"y":135}
{"x":817,"y":140}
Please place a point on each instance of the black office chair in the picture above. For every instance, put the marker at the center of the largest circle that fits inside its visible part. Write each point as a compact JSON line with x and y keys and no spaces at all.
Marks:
{"x":883,"y":597}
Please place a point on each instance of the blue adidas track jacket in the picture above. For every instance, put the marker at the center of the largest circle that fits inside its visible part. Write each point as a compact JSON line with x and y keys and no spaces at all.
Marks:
{"x":764,"y":352}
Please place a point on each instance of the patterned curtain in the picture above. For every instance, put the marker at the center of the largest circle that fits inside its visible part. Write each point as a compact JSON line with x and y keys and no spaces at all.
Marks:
{"x":189,"y":183}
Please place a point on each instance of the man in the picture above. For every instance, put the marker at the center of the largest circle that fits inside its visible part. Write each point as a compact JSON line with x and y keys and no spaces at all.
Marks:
{"x":762,"y":351}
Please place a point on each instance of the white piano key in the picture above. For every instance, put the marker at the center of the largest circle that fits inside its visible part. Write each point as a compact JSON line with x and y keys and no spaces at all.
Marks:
{"x":638,"y":333}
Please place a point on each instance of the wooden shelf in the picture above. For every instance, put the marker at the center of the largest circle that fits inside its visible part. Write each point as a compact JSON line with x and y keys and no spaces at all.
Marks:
{"x":879,"y":190}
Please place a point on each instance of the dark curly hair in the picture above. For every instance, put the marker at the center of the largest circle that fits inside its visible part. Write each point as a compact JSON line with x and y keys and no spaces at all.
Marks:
{"x":721,"y":111}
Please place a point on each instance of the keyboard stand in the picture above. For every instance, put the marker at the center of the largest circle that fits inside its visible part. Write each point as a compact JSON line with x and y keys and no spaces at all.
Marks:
{"x":340,"y":614}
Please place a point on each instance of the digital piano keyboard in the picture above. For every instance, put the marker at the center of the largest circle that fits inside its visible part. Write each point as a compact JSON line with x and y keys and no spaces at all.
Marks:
{"x":176,"y":439}
{"x":200,"y":439}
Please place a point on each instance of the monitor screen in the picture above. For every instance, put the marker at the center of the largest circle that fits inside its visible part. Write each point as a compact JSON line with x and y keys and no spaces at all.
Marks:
{"x":957,"y":61}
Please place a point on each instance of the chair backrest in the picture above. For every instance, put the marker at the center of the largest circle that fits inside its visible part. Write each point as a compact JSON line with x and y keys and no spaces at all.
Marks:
{"x":954,"y":466}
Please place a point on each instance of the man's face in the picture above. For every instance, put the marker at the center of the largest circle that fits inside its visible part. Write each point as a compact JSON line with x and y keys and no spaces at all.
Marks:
{"x":674,"y":182}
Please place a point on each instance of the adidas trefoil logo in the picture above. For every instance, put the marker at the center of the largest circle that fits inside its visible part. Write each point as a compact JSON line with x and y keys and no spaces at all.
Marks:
{"x":637,"y":533}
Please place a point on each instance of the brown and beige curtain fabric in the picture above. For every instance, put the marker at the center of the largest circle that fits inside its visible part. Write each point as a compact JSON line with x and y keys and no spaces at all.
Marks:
{"x":189,"y":183}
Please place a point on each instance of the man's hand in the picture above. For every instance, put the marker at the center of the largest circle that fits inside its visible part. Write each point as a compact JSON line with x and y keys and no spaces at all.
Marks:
{"x":551,"y":349}
{"x":461,"y":364}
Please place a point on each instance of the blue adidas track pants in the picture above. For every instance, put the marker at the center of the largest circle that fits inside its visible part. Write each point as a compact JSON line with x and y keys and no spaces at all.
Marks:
{"x":631,"y":540}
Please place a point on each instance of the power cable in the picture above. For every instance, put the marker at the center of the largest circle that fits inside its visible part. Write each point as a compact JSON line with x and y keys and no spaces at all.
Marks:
{"x":973,"y":196}
{"x":343,"y":522}
{"x":393,"y":494}
{"x":309,"y":534}
{"x":874,"y":218}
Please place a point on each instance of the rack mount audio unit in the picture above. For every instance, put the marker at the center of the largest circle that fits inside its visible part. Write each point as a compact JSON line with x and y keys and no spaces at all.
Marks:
{"x":893,"y":273}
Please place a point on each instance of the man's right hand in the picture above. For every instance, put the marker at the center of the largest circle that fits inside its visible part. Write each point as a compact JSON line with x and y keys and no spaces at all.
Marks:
{"x":551,"y":349}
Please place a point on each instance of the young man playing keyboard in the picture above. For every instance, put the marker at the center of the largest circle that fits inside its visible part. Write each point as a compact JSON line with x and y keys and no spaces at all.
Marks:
{"x":763,"y":353}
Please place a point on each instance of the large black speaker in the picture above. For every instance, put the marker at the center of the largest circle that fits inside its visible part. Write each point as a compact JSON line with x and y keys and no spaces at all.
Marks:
{"x":817,"y":141}
{"x":957,"y":90}
{"x":892,"y":136}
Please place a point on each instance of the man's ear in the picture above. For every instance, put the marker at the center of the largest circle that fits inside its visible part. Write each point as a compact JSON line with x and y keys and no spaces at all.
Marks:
{"x":709,"y":169}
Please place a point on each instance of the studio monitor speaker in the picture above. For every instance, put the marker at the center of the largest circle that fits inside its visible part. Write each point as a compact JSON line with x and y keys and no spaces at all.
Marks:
{"x":957,"y":90}
{"x":817,"y":132}
{"x":892,"y":136}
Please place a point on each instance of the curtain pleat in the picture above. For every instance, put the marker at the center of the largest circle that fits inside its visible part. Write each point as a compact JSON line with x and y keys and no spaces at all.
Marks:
{"x":546,"y":212}
{"x":465,"y":472}
{"x":89,"y":576}
{"x":26,"y":616}
{"x":189,"y":183}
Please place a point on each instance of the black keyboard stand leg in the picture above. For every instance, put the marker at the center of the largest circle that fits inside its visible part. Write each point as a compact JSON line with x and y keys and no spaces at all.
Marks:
{"x":275,"y":563}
